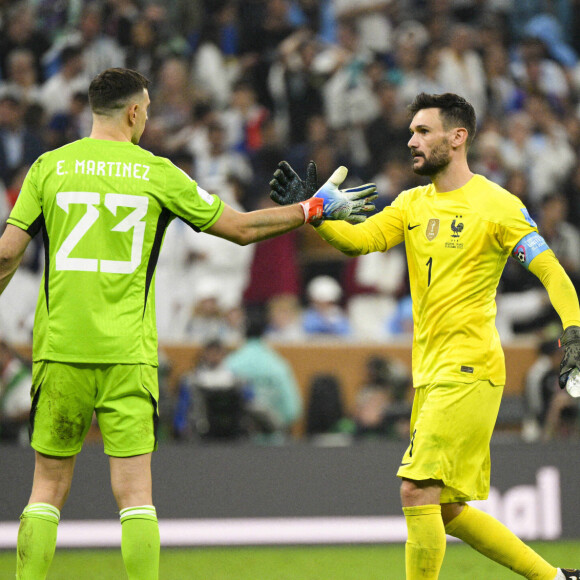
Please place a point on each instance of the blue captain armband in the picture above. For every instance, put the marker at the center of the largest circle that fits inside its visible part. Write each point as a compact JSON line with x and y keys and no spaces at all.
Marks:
{"x":528,"y":248}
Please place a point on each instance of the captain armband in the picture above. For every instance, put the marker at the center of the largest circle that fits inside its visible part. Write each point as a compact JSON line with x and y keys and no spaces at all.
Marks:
{"x":528,"y":248}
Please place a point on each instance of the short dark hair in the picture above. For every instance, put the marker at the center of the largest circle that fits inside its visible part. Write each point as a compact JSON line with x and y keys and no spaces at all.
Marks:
{"x":455,"y":111}
{"x":110,"y":90}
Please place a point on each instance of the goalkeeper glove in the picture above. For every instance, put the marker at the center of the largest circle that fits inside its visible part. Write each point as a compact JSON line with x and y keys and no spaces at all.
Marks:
{"x":287,"y":188}
{"x":329,"y":202}
{"x":570,"y":340}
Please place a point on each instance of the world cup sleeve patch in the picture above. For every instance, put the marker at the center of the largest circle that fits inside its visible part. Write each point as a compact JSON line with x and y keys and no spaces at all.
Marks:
{"x":528,"y":248}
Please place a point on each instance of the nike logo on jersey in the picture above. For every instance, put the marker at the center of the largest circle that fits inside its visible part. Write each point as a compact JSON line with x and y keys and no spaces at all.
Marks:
{"x":403,"y":464}
{"x":410,"y":227}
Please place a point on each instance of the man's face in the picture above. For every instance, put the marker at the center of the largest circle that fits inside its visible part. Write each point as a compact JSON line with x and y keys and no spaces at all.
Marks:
{"x":140,"y":117}
{"x":429,"y":143}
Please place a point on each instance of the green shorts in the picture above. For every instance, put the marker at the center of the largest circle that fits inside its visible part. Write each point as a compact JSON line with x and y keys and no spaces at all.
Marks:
{"x":65,"y":395}
{"x":451,"y":428}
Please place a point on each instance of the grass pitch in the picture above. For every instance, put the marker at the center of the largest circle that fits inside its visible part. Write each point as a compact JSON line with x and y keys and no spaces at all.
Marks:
{"x":289,"y":563}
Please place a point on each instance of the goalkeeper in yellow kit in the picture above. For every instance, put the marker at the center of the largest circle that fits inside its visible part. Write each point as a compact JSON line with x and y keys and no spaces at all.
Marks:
{"x":459,"y":232}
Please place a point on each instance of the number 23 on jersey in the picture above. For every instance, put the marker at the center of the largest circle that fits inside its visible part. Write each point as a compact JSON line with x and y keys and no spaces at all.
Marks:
{"x":94,"y":211}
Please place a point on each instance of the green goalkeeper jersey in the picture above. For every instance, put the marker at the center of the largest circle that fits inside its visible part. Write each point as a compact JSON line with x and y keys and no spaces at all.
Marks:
{"x":103,"y":208}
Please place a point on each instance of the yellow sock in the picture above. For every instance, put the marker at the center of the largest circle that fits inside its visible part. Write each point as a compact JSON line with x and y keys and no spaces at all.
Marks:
{"x":425,"y":545}
{"x":497,"y":542}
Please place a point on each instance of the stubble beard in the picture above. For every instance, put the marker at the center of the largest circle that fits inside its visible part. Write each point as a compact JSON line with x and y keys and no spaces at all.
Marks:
{"x":436,"y":162}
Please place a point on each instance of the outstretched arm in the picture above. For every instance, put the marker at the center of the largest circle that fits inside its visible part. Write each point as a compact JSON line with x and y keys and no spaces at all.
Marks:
{"x":328,"y":203}
{"x":13,"y":243}
{"x":565,"y":301}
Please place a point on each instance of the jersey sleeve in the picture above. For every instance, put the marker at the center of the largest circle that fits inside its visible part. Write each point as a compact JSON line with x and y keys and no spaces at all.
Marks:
{"x":187,"y":200}
{"x":27,"y":211}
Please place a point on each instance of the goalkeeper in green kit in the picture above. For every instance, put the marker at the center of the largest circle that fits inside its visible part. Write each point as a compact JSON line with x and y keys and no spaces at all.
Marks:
{"x":102,"y":205}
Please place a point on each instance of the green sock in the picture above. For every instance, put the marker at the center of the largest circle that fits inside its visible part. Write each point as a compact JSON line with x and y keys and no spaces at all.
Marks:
{"x":140,"y":542}
{"x":36,"y":541}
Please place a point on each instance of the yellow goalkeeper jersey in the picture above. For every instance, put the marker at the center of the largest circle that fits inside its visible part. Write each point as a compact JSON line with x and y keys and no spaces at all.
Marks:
{"x":457,"y":244}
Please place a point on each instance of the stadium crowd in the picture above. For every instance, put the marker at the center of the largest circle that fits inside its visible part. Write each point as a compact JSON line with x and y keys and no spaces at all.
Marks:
{"x":238,"y":85}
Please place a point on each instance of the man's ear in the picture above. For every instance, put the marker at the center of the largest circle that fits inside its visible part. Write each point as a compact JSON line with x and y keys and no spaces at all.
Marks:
{"x":459,"y":137}
{"x":132,"y":113}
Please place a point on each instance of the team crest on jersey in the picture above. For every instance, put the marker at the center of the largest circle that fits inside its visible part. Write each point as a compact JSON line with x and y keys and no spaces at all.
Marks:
{"x":432,"y":229}
{"x":456,"y":227}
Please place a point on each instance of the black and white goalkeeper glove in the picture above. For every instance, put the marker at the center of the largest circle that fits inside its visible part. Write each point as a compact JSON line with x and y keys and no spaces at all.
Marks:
{"x":570,"y":340}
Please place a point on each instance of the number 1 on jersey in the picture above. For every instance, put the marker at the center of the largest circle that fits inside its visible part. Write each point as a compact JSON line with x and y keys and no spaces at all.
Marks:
{"x":429,"y":265}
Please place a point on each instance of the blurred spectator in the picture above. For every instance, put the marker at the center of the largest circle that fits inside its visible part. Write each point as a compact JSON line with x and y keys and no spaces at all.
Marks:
{"x":489,"y":160}
{"x":274,"y":402}
{"x":98,"y":50}
{"x":244,"y":119}
{"x":571,"y":189}
{"x":284,"y":319}
{"x":193,"y":137}
{"x":386,"y":131}
{"x":57,"y":92}
{"x":324,"y":316}
{"x":372,"y":21}
{"x":172,"y":95}
{"x":502,"y":90}
{"x":143,"y":52}
{"x":71,"y":125}
{"x":20,"y":31}
{"x":325,"y":413}
{"x":264,"y":25}
{"x":420,"y":72}
{"x":552,"y":413}
{"x":201,"y":316}
{"x":296,"y":85}
{"x":349,"y":100}
{"x":210,"y":399}
{"x":21,"y":77}
{"x":376,"y":283}
{"x":380,"y":406}
{"x":275,"y":269}
{"x":214,"y":66}
{"x":461,"y":68}
{"x":214,"y":167}
{"x":537,"y":144}
{"x":562,"y":237}
{"x":19,"y":144}
{"x":15,"y":385}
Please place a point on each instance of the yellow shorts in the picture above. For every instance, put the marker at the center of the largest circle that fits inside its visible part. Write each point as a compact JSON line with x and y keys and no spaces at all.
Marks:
{"x":451,"y":428}
{"x":65,"y":395}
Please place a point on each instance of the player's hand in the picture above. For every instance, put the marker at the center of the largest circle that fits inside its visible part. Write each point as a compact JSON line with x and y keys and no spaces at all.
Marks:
{"x":332,"y":203}
{"x":570,"y":340}
{"x":287,"y":188}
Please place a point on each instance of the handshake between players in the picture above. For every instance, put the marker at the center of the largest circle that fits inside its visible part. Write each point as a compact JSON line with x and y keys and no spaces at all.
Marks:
{"x":329,"y":202}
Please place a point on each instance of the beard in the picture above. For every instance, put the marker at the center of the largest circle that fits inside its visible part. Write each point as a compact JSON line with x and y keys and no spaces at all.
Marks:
{"x":436,"y":162}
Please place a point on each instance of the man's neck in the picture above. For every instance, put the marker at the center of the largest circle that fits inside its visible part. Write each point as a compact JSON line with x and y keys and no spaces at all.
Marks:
{"x":452,"y":178}
{"x":109,"y":132}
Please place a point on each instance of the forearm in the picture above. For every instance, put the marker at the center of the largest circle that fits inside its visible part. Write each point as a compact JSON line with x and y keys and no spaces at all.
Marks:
{"x":559,"y":287}
{"x":13,"y":243}
{"x":255,"y":226}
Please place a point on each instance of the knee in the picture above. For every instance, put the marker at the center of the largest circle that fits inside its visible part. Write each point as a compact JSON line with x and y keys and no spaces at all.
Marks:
{"x":415,"y":493}
{"x":449,"y":511}
{"x":410,"y":493}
